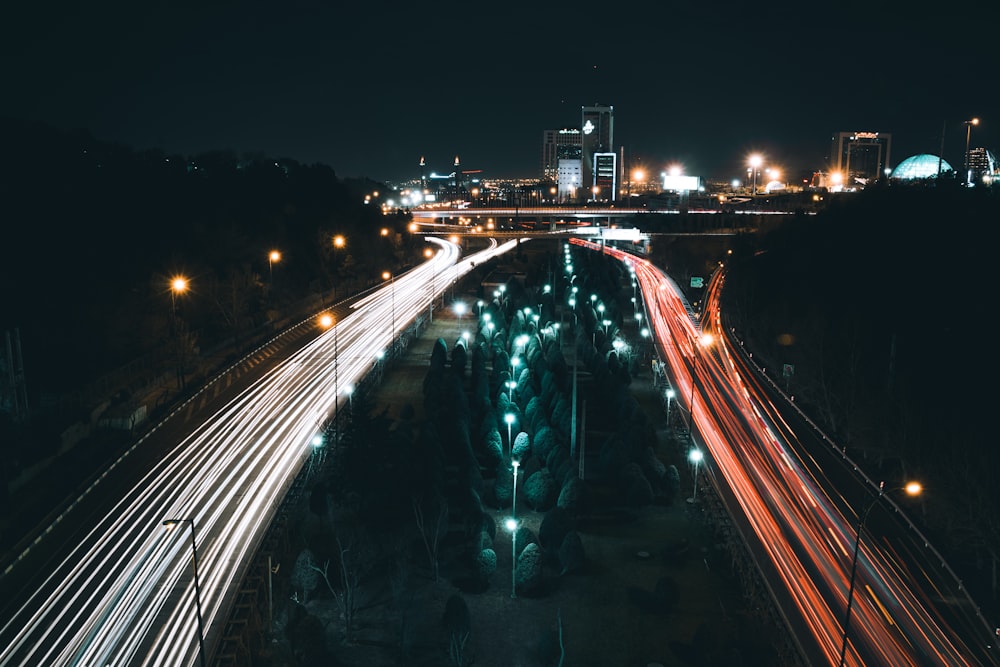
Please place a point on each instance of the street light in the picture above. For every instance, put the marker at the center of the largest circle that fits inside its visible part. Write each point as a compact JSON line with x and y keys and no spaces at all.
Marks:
{"x":705,"y":340}
{"x":178,"y":285}
{"x":912,"y":489}
{"x":392,"y":289}
{"x":968,"y":135}
{"x":695,"y":457}
{"x":755,"y":162}
{"x":512,"y":527}
{"x":459,"y":309}
{"x":509,"y":418}
{"x":170,"y":523}
{"x":272,"y":257}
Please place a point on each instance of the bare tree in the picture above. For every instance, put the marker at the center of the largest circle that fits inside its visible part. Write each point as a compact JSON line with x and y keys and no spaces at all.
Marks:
{"x":233,"y":296}
{"x":432,"y":531}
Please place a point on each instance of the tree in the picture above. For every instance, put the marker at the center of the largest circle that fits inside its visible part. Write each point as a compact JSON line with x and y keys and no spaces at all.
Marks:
{"x":304,"y":576}
{"x":539,"y":490}
{"x":571,"y":553}
{"x":432,"y":523}
{"x":458,"y":625}
{"x":528,"y":575}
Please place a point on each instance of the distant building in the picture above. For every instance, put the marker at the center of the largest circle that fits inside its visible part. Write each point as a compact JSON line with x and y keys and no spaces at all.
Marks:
{"x":860,"y":157}
{"x":564,"y":144}
{"x":982,"y":166}
{"x":605,"y":186}
{"x":597,"y":127}
{"x":568,"y":179}
{"x":920,"y":167}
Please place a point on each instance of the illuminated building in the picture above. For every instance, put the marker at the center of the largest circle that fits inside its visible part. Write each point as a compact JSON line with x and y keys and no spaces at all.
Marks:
{"x":605,"y":185}
{"x":982,"y":165}
{"x":597,"y":128}
{"x":861,"y":157}
{"x":568,"y":179}
{"x":564,"y":144}
{"x":919,"y":167}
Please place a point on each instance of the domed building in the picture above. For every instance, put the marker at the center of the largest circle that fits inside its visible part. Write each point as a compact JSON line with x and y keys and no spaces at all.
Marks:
{"x":919,"y":167}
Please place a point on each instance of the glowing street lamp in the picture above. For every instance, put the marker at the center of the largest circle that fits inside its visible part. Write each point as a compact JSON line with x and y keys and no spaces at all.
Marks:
{"x":386,"y":275}
{"x":968,"y":135}
{"x":755,"y":162}
{"x":339,"y":241}
{"x":170,"y":523}
{"x":509,"y":418}
{"x":695,"y":457}
{"x":272,"y":257}
{"x":459,"y":309}
{"x":511,"y":525}
{"x":912,"y":489}
{"x":178,"y":285}
{"x":670,"y":397}
{"x":705,"y":340}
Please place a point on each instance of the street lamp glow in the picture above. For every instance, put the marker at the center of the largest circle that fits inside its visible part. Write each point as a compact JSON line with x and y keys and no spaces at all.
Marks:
{"x":912,"y":489}
{"x":169,"y":524}
{"x":695,"y":457}
{"x":178,"y":284}
{"x":339,"y":241}
{"x":509,"y":418}
{"x":326,"y":320}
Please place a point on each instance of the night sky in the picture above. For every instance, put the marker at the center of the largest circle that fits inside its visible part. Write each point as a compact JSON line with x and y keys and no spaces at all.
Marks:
{"x":370,"y":87}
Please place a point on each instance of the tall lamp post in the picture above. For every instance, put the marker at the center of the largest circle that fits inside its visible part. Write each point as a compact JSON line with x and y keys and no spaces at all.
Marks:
{"x":704,"y":340}
{"x":272,"y":257}
{"x":695,"y":457}
{"x":509,"y":418}
{"x":170,"y":523}
{"x":755,"y":162}
{"x":178,"y":285}
{"x":968,"y":135}
{"x":512,"y":527}
{"x":911,"y":488}
{"x":392,"y":290}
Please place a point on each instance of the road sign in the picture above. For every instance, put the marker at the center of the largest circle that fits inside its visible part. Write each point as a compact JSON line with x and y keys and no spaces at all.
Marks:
{"x":697,"y":281}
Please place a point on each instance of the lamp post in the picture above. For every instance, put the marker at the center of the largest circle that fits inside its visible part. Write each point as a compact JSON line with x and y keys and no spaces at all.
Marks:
{"x":272,"y":257}
{"x":695,"y":457}
{"x":178,"y":285}
{"x":670,"y":398}
{"x":170,"y":523}
{"x":755,"y":162}
{"x":509,"y":418}
{"x":512,"y":527}
{"x":392,"y":290}
{"x":968,"y":135}
{"x":459,"y":309}
{"x":428,"y":253}
{"x":703,"y":341}
{"x":911,"y":488}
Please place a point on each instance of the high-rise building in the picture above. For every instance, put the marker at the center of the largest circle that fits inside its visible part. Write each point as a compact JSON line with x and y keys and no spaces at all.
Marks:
{"x":597,"y":128}
{"x":605,"y":177}
{"x":860,"y":157}
{"x":981,"y":163}
{"x":558,"y":145}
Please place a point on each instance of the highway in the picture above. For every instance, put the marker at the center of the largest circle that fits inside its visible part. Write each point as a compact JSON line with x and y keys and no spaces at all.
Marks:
{"x":797,"y":502}
{"x":123,"y":593}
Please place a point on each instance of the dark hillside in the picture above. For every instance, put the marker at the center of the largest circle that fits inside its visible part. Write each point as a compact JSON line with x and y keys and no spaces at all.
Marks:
{"x":882,"y":303}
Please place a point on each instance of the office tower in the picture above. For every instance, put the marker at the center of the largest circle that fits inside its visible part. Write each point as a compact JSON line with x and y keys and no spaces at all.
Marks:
{"x":558,"y":145}
{"x":597,"y":129}
{"x":860,"y":157}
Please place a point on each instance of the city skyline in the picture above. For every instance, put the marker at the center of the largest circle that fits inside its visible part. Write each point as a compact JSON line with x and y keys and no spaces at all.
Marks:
{"x":370,"y":94}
